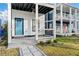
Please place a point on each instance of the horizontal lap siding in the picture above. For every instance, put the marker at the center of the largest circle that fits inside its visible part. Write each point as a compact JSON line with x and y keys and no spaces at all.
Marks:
{"x":27,"y":16}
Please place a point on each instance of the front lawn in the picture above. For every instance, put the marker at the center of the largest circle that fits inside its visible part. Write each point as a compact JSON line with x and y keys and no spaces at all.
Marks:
{"x":9,"y":52}
{"x":61,"y":46}
{"x":70,"y":39}
{"x":58,"y":51}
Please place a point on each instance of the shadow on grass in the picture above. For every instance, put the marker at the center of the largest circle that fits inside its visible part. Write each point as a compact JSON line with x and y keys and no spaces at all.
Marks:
{"x":4,"y":41}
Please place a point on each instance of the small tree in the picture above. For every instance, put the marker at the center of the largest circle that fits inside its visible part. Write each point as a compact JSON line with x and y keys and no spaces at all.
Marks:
{"x":5,"y":30}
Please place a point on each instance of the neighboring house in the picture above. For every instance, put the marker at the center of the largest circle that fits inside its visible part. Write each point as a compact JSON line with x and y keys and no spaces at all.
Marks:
{"x":30,"y":19}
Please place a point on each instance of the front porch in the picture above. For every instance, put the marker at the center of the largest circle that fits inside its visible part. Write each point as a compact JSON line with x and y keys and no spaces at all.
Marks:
{"x":33,"y":12}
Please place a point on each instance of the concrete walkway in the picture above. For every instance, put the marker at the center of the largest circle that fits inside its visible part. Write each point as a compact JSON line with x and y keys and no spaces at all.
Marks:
{"x":30,"y":51}
{"x":26,"y":46}
{"x":27,"y":50}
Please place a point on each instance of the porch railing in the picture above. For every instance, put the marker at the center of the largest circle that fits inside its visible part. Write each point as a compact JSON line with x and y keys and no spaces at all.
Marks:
{"x":65,"y":16}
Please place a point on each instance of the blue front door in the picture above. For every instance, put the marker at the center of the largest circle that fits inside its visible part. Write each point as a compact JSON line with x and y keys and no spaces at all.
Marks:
{"x":19,"y":27}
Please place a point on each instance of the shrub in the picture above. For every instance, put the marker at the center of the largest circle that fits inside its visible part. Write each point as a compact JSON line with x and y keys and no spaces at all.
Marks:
{"x":55,"y":41}
{"x":68,"y":39}
{"x":48,"y":42}
{"x":6,"y":43}
{"x":41,"y":43}
{"x":74,"y":35}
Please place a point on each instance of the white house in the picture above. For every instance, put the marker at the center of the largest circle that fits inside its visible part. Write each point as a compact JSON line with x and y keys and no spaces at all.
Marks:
{"x":41,"y":20}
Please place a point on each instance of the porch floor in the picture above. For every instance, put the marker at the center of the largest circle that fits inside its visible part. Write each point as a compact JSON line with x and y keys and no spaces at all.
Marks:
{"x":24,"y":40}
{"x":29,"y":40}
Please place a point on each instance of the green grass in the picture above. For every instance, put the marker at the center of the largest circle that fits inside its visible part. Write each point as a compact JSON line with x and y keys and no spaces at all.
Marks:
{"x":4,"y":51}
{"x":9,"y":52}
{"x":58,"y":51}
{"x":61,"y":46}
{"x":74,"y":40}
{"x":3,"y":43}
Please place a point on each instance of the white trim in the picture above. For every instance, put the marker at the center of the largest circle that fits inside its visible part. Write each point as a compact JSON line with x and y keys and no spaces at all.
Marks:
{"x":9,"y":23}
{"x":75,"y":21}
{"x":36,"y":21}
{"x":49,"y":29}
{"x":18,"y":36}
{"x":54,"y":22}
{"x":61,"y":15}
{"x":70,"y":29}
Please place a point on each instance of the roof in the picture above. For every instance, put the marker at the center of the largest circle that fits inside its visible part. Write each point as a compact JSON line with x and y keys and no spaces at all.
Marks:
{"x":31,"y":7}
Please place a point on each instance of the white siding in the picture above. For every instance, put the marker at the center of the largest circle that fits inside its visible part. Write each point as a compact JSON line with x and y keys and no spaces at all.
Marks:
{"x":27,"y":16}
{"x":42,"y":25}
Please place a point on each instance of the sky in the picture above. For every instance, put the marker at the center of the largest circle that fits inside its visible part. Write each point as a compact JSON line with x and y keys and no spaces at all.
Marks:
{"x":3,"y":6}
{"x":75,"y":5}
{"x":3,"y":9}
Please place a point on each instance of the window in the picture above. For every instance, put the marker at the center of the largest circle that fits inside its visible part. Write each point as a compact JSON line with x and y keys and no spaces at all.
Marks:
{"x":78,"y":26}
{"x":49,"y":32}
{"x":58,"y":27}
{"x":49,"y":20}
{"x":50,"y":16}
{"x":34,"y":25}
{"x":49,"y":23}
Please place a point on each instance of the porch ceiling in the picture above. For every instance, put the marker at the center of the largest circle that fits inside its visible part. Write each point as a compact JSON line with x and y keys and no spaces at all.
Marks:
{"x":30,"y":7}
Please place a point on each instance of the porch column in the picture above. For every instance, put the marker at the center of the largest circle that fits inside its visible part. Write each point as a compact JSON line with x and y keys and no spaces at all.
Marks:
{"x":75,"y":21}
{"x":36,"y":21}
{"x":61,"y":20}
{"x":70,"y":21}
{"x":9,"y":23}
{"x":54,"y":22}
